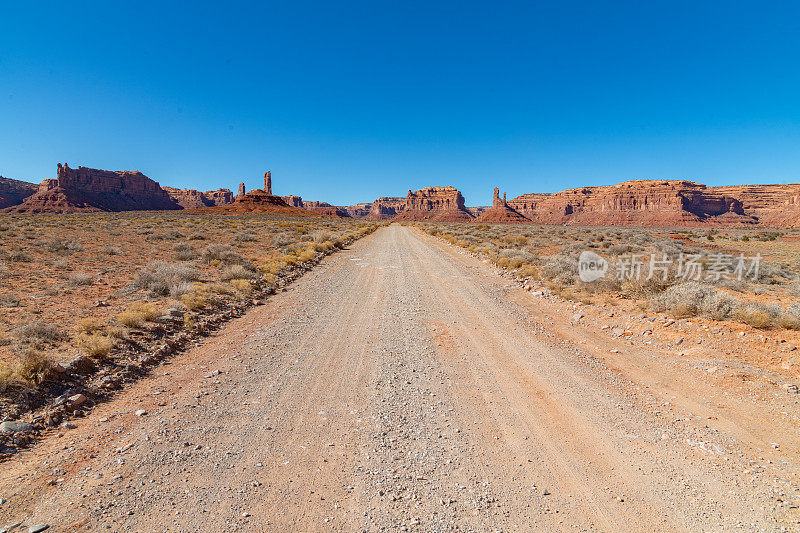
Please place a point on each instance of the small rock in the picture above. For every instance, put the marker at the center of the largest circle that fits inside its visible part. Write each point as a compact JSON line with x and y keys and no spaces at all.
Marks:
{"x":614,"y":350}
{"x":15,"y":426}
{"x":141,"y":412}
{"x":788,"y":387}
{"x":68,"y":425}
{"x":37,"y":528}
{"x":577,"y":316}
{"x":76,"y":400}
{"x":545,"y":492}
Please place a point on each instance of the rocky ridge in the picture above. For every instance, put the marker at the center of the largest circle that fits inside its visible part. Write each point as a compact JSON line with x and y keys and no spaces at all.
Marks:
{"x":193,"y":199}
{"x":635,"y":202}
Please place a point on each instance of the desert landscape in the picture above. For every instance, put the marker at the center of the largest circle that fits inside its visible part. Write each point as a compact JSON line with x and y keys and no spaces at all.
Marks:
{"x":385,"y":267}
{"x":449,"y":368}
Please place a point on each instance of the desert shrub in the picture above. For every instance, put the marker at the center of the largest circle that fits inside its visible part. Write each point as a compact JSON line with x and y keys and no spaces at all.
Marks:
{"x":19,"y":257}
{"x":322,"y":236}
{"x":171,"y":235}
{"x":39,"y":333}
{"x":185,"y":252}
{"x":560,"y":268}
{"x":165,"y":279}
{"x":790,"y":317}
{"x":34,"y":366}
{"x":685,"y":299}
{"x":641,"y":287}
{"x":718,"y":306}
{"x":283,"y":239}
{"x":9,"y":301}
{"x":79,"y":279}
{"x":63,"y":247}
{"x":110,"y":250}
{"x":223,"y":254}
{"x":237,"y":272}
{"x":619,"y":249}
{"x":247,"y":236}
{"x":138,"y":314}
{"x":770,"y":274}
{"x":755,"y":315}
{"x":197,"y":237}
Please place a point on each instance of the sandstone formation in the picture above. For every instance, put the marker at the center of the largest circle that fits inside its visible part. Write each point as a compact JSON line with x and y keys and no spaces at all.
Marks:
{"x":325,"y":208}
{"x":358,"y":210}
{"x":268,"y":182}
{"x":322,"y":208}
{"x":259,"y":200}
{"x":192,"y":199}
{"x":436,"y":204}
{"x":89,"y":189}
{"x":635,"y":202}
{"x":386,"y":208}
{"x":14,"y":192}
{"x":292,"y":200}
{"x":772,"y":205}
{"x":242,"y":191}
{"x":501,"y":212}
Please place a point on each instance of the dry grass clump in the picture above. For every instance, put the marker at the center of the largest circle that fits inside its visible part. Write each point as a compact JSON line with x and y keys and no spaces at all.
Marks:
{"x":33,"y":367}
{"x":96,"y":344}
{"x":138,"y":314}
{"x":197,"y":299}
{"x":89,"y":324}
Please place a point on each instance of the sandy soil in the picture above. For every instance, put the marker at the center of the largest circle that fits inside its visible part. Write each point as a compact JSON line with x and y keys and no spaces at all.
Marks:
{"x":403,"y":385}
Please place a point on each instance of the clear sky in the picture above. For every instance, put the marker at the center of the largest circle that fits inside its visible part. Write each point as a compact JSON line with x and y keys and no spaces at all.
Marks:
{"x":347,"y":101}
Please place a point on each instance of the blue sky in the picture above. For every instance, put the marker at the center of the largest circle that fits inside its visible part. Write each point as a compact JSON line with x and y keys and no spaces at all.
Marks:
{"x":348,"y":101}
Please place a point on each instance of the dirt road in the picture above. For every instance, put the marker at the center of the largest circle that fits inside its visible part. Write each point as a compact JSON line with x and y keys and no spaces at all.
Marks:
{"x":403,"y":385}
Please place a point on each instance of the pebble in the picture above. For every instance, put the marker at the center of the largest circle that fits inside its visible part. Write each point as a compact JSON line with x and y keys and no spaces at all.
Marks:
{"x":141,"y":412}
{"x":37,"y":528}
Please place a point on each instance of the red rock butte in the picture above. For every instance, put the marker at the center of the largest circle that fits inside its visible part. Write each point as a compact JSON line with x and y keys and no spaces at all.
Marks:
{"x":435,"y":204}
